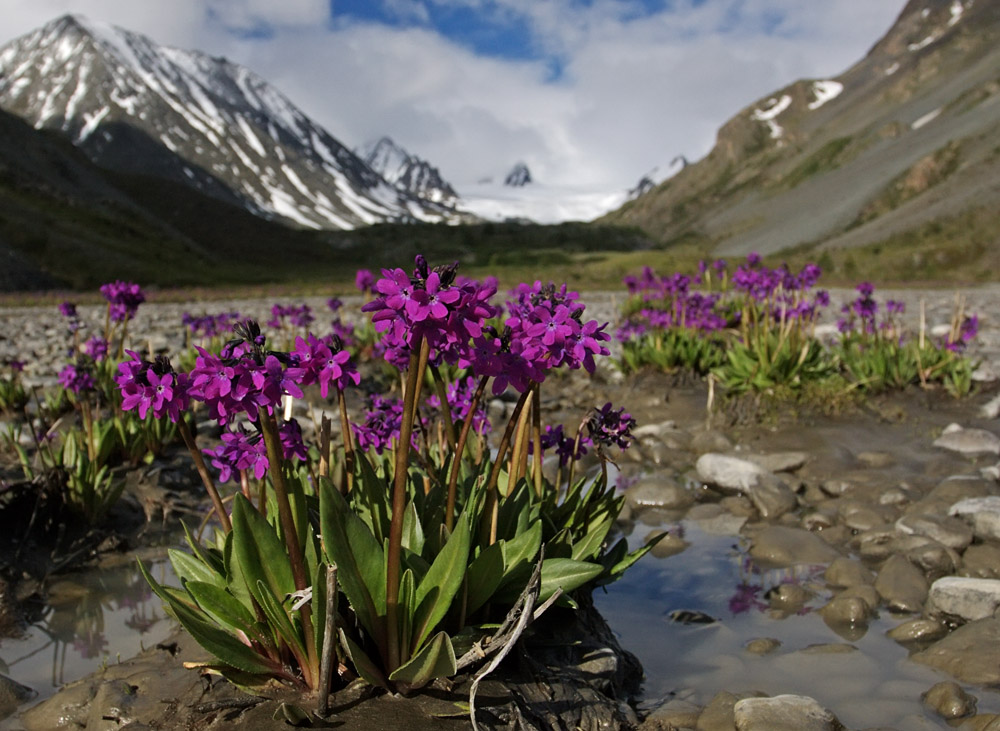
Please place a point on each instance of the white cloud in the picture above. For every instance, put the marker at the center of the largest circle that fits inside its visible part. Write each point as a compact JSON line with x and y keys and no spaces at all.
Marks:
{"x":635,"y":89}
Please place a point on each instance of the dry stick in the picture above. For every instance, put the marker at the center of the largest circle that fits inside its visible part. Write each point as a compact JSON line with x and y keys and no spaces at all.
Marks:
{"x":527,"y":602}
{"x":576,"y":450}
{"x":273,"y":443}
{"x":393,"y":556}
{"x":536,"y":433}
{"x":329,"y":641}
{"x":206,"y":479}
{"x":449,"y":513}
{"x":520,"y":447}
{"x":492,"y":500}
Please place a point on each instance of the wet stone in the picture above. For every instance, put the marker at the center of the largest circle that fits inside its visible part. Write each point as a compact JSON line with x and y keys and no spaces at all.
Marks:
{"x":779,"y":461}
{"x":13,"y":694}
{"x":981,"y":561}
{"x":659,"y":492}
{"x":718,"y":715}
{"x":728,"y":473}
{"x":674,"y":714}
{"x":876,"y":460}
{"x":710,"y":440}
{"x":918,"y":630}
{"x":968,"y":654}
{"x":982,"y":513}
{"x":784,"y":546}
{"x":847,"y":609}
{"x":772,"y":497}
{"x":670,"y":545}
{"x":762,"y":645}
{"x":948,"y":531}
{"x":845,"y":571}
{"x":949,"y":700}
{"x":783,"y":713}
{"x":902,"y":585}
{"x":968,"y":441}
{"x":963,"y":597}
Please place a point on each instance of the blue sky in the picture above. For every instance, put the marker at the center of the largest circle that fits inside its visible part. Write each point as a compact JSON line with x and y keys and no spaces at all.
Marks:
{"x":587,"y":92}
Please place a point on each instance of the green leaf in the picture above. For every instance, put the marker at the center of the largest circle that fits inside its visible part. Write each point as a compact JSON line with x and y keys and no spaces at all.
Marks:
{"x":367,"y":669}
{"x":484,"y":576}
{"x":407,"y":605}
{"x":280,"y":622}
{"x":223,"y":608}
{"x":435,"y":660}
{"x":372,"y":492}
{"x":210,"y":558}
{"x":620,"y":566}
{"x":220,"y":643}
{"x":360,"y":560}
{"x":444,"y":578}
{"x":261,"y":554}
{"x":590,"y":545}
{"x":557,"y":573}
{"x":520,"y":552}
{"x":190,"y":568}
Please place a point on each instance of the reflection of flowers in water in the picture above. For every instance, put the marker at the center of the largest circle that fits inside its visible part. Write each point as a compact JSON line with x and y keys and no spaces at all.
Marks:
{"x":90,"y":644}
{"x":747,"y":597}
{"x":756,"y":585}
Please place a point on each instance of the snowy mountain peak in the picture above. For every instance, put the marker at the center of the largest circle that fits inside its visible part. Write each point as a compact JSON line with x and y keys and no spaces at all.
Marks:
{"x":519,"y":176}
{"x":407,"y":172}
{"x":136,"y":106}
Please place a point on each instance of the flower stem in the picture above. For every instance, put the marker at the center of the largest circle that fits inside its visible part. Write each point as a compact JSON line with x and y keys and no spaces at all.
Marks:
{"x":393,"y":557}
{"x":273,"y":443}
{"x":348,"y":436}
{"x":492,"y":499}
{"x":449,"y":512}
{"x":206,"y":478}
{"x":536,"y":435}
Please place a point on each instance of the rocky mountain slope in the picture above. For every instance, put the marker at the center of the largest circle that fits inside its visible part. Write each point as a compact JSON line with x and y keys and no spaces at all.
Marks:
{"x":904,"y":141}
{"x":139,"y":108}
{"x":408,"y":172}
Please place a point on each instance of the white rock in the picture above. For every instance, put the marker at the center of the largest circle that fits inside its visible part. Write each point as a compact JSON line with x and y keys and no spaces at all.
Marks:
{"x":991,"y":409}
{"x":968,"y":441}
{"x":728,"y":472}
{"x":968,"y":598}
{"x":783,"y":712}
{"x":982,"y":513}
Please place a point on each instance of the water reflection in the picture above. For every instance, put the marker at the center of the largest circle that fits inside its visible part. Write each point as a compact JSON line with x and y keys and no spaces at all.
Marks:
{"x":92,"y":617}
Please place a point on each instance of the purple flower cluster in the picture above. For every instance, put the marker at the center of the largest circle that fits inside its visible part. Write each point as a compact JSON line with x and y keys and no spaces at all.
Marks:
{"x":96,"y":347}
{"x":76,"y":377}
{"x":123,"y":299}
{"x":244,"y":376}
{"x":364,"y":280}
{"x":326,"y":362}
{"x":860,"y":316}
{"x":241,"y":450}
{"x":429,"y":305}
{"x":564,"y":445}
{"x":967,"y":331}
{"x":460,"y":395}
{"x":383,"y":419}
{"x":68,"y":310}
{"x":152,"y":386}
{"x":210,"y":326}
{"x":608,"y":426}
{"x":294,"y":315}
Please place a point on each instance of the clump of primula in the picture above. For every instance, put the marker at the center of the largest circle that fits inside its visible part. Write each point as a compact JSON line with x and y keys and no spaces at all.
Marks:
{"x":78,"y":377}
{"x":608,"y":426}
{"x":123,"y":299}
{"x":152,"y":387}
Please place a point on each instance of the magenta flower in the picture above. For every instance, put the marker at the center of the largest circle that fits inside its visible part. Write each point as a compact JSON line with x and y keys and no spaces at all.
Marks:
{"x":324,"y":361}
{"x":364,"y":280}
{"x":123,"y":299}
{"x":608,"y":426}
{"x":152,"y":386}
{"x":77,"y":378}
{"x":96,"y":347}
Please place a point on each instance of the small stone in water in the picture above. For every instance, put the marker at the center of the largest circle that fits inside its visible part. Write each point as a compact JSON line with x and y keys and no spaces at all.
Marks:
{"x":762,"y":645}
{"x":915,"y":630}
{"x":949,"y":700}
{"x":691,"y":616}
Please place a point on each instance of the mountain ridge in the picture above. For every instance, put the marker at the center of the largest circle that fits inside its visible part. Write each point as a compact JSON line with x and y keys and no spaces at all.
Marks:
{"x":903,"y":135}
{"x":199,"y":120}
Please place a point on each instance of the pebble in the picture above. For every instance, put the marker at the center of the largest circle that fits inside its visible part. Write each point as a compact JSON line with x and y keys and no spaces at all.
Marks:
{"x":779,"y":461}
{"x":982,"y":513}
{"x":784,"y":546}
{"x":772,"y":497}
{"x":965,"y":597}
{"x":659,"y":492}
{"x":981,"y":560}
{"x":902,"y":585}
{"x":847,"y":609}
{"x":762,"y":645}
{"x":728,"y":473}
{"x":968,"y":654}
{"x":917,"y":630}
{"x":845,"y":572}
{"x":783,"y":713}
{"x":947,"y":531}
{"x":968,"y":441}
{"x":949,"y":700}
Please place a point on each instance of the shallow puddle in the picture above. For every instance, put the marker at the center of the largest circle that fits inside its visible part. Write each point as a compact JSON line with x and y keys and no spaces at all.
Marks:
{"x":872,"y":685}
{"x":94,"y":617}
